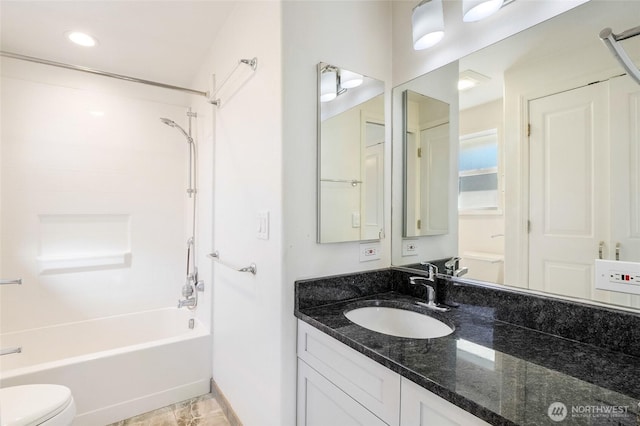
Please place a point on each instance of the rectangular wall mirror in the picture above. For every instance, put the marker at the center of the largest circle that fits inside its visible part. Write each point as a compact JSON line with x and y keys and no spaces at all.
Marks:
{"x":426,"y":165}
{"x":547,"y":156}
{"x":351,"y":139}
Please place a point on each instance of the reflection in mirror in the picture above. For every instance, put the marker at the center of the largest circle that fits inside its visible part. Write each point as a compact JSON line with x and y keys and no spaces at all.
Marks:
{"x":426,"y":165}
{"x":351,"y":136}
{"x":549,"y":177}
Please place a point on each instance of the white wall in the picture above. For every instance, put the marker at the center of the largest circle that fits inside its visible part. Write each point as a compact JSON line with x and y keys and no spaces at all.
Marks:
{"x":78,"y":185}
{"x":246,"y":160}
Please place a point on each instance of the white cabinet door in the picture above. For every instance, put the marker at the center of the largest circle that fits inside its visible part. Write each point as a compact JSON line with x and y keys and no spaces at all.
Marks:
{"x":321,"y":403}
{"x":419,"y":407}
{"x":369,"y":383}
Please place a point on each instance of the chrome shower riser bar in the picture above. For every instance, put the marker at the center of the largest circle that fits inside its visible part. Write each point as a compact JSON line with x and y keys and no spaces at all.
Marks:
{"x":102,"y":73}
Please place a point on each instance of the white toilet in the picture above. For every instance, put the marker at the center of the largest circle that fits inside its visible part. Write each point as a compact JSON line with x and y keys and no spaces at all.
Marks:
{"x":31,"y":405}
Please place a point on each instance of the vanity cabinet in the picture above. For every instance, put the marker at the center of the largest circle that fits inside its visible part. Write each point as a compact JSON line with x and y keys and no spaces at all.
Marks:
{"x":321,"y":403}
{"x":340,"y":386}
{"x":365,"y":381}
{"x":421,"y":407}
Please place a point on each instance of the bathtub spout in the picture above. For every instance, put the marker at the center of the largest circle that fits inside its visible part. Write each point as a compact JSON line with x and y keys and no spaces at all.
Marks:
{"x":188,"y":302}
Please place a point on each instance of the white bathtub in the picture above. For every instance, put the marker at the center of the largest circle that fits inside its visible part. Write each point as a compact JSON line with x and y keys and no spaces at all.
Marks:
{"x":116,"y":367}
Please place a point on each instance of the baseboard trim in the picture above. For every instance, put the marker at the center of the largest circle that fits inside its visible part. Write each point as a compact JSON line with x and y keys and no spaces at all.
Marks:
{"x":231,"y":415}
{"x":144,"y":404}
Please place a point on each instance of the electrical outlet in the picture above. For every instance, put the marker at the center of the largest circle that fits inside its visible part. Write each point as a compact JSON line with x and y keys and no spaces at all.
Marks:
{"x":370,"y":251}
{"x":613,"y":275}
{"x":409,"y":248}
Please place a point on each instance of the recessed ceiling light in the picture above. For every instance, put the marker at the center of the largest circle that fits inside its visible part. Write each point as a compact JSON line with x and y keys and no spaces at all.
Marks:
{"x":81,"y":39}
{"x":469,"y":79}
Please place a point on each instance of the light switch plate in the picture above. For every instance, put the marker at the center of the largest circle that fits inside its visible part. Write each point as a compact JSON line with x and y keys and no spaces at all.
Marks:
{"x":262,"y":225}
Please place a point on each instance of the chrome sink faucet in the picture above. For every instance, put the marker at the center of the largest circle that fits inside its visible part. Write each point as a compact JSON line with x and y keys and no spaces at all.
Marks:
{"x":431,"y":292}
{"x":452,"y":267}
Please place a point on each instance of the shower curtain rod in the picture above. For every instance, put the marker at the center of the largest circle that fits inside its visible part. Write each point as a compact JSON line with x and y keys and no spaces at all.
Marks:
{"x":102,"y":73}
{"x":611,"y":40}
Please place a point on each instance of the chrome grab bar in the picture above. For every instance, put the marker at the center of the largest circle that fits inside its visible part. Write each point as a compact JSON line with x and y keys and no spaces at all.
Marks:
{"x":251,"y":268}
{"x":16,"y":281}
{"x":9,"y":351}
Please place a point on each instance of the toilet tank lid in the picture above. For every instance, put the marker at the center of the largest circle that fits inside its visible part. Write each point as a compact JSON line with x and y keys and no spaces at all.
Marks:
{"x":32,"y":404}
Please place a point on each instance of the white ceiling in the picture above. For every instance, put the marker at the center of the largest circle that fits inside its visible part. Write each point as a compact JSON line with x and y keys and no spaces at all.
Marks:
{"x":568,"y":32}
{"x":164,"y":41}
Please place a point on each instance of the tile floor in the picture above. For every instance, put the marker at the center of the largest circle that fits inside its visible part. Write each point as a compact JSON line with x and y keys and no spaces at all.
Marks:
{"x":201,"y":411}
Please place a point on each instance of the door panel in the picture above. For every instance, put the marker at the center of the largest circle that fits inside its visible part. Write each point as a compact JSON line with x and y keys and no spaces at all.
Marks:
{"x":625,"y":176}
{"x":568,"y":189}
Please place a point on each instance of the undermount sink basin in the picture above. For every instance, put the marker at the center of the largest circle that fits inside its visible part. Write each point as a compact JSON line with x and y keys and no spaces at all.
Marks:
{"x":398,"y":322}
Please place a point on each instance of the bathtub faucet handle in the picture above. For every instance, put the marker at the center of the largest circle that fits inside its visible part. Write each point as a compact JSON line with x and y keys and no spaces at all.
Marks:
{"x":189,"y":303}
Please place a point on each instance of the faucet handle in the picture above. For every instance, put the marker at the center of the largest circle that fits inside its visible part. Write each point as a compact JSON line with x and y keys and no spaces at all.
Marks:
{"x":431,"y":292}
{"x":432,"y":269}
{"x":452,"y":264}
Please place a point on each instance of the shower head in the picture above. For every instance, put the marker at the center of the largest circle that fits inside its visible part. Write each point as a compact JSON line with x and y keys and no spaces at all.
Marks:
{"x":172,"y":123}
{"x":168,"y":122}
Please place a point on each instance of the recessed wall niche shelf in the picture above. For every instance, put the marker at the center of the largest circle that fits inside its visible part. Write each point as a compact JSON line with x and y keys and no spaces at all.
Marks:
{"x":75,"y":242}
{"x":51,"y":264}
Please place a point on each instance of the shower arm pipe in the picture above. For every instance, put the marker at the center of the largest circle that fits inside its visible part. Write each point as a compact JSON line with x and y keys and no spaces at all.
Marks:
{"x":102,"y":73}
{"x":253,"y":63}
{"x":611,"y":41}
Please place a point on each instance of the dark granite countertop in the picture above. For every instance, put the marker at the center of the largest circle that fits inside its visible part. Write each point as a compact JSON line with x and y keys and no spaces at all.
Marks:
{"x":503,"y":373}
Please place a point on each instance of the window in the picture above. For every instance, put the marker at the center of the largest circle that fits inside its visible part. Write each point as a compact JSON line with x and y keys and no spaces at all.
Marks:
{"x":478,"y":171}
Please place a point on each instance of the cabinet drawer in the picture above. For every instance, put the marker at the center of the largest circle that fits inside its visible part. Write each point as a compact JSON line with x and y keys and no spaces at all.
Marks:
{"x":366,"y":381}
{"x":423,"y":408}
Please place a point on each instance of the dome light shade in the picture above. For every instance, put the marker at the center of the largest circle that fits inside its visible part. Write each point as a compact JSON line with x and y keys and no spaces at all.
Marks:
{"x":328,"y":85}
{"x":475,"y":10}
{"x":427,"y":22}
{"x":81,"y":39}
{"x":350,"y":79}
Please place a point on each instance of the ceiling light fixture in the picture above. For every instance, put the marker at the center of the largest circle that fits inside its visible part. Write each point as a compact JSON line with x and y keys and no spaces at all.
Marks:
{"x":476,"y":10}
{"x":469,"y":79}
{"x":81,"y":39}
{"x":427,"y":22}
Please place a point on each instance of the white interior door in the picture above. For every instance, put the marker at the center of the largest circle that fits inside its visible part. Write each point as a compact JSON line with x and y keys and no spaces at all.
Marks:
{"x":434,"y":168}
{"x":372,"y":203}
{"x":412,"y":186}
{"x":569,"y":161}
{"x":624,"y":108}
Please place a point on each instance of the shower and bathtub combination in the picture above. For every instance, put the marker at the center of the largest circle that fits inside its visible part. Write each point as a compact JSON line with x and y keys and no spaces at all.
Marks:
{"x":93,"y":247}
